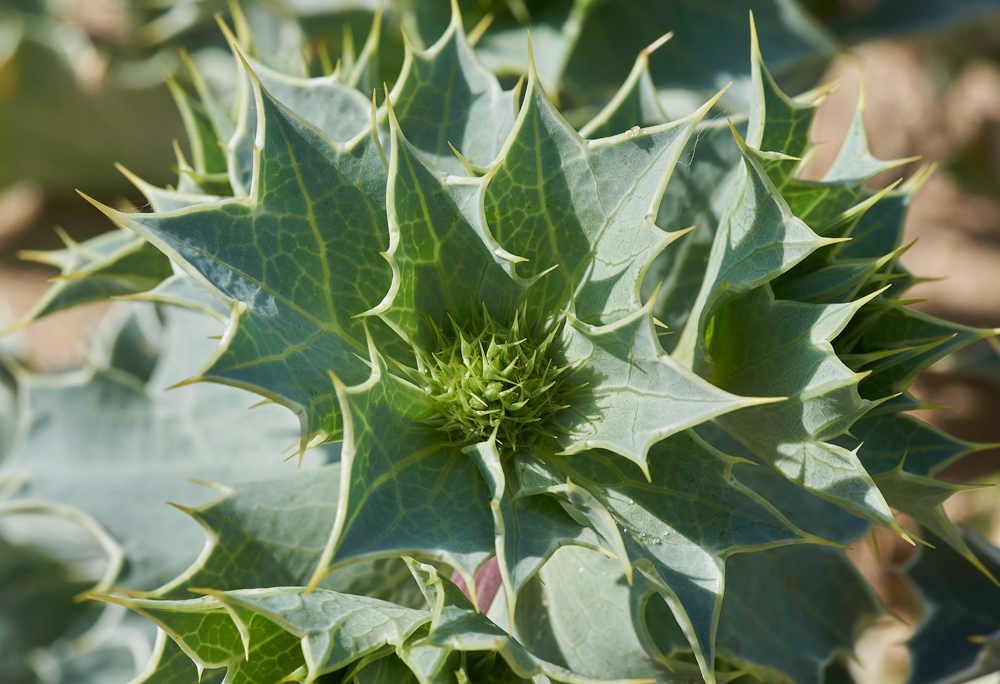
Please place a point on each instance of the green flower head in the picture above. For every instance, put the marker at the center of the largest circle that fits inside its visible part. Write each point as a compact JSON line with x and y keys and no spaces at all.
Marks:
{"x":504,"y":383}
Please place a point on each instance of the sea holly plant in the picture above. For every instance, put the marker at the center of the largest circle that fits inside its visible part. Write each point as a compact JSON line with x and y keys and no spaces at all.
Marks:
{"x":474,"y":302}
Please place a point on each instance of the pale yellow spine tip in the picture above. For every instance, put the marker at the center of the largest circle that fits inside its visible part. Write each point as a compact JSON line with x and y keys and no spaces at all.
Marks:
{"x":658,"y":43}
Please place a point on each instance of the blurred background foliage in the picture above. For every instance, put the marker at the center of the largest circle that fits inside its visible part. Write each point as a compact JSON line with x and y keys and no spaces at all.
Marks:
{"x":82,"y":87}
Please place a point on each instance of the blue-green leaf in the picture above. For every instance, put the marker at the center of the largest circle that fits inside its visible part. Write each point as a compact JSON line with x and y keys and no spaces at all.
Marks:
{"x":635,"y":103}
{"x":104,"y":430}
{"x":758,"y":239}
{"x":335,"y":629}
{"x":446,"y":266}
{"x":786,"y":613}
{"x":300,"y":255}
{"x":445,"y":96}
{"x":403,"y":489}
{"x":114,"y":264}
{"x":635,"y":394}
{"x":682,"y":523}
{"x":458,"y":626}
{"x":771,"y":347}
{"x":577,"y":210}
{"x":959,"y":636}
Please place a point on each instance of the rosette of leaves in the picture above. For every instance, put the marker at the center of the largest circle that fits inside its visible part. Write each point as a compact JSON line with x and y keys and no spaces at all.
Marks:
{"x":472,"y":327}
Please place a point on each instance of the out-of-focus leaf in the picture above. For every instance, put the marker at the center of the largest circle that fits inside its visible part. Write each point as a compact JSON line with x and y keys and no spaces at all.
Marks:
{"x":36,"y":607}
{"x":958,"y":639}
{"x":114,"y":264}
{"x":118,"y":449}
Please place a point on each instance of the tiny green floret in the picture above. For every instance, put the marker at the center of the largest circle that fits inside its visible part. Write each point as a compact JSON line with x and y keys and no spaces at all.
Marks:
{"x":502,"y":379}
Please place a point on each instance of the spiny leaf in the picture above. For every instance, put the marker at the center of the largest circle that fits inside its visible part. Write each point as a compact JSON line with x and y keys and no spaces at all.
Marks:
{"x":391,"y":461}
{"x":528,"y":530}
{"x":758,"y":239}
{"x":580,"y":206}
{"x":786,"y":610}
{"x":221,"y":119}
{"x":635,"y":394}
{"x":166,"y":199}
{"x":362,"y":70}
{"x":335,"y":629}
{"x":267,"y":632}
{"x":818,"y":203}
{"x":445,"y":263}
{"x":804,"y":509}
{"x":336,"y":103}
{"x":778,"y":124}
{"x":928,"y":449}
{"x":701,"y":193}
{"x":250,"y":647}
{"x":580,"y":50}
{"x":206,"y":148}
{"x":534,"y":528}
{"x":300,"y":255}
{"x":109,"y":265}
{"x":682,"y":523}
{"x":169,"y":664}
{"x":710,"y":45}
{"x":272,"y":532}
{"x":635,"y":103}
{"x":540,"y":477}
{"x":554,"y":32}
{"x":770,"y":347}
{"x":276,"y":41}
{"x":337,"y":109}
{"x":599,"y":637}
{"x":821,"y":274}
{"x":839,"y":282}
{"x":327,"y":103}
{"x":928,"y":339}
{"x":855,"y":164}
{"x":922,"y":499}
{"x":445,"y":95}
{"x":696,"y":196}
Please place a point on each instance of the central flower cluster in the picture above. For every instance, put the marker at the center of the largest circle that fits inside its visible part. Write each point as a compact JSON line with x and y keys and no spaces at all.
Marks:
{"x":500,"y":379}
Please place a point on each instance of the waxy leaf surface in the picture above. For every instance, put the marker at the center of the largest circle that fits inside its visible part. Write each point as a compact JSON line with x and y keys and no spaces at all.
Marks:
{"x":578,"y":208}
{"x":104,"y":430}
{"x":403,"y":489}
{"x":635,"y":394}
{"x":681,"y":525}
{"x":772,"y":347}
{"x":300,"y":256}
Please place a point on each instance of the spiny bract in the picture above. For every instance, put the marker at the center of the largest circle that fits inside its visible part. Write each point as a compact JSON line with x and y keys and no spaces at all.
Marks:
{"x":502,"y":383}
{"x":451,"y":284}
